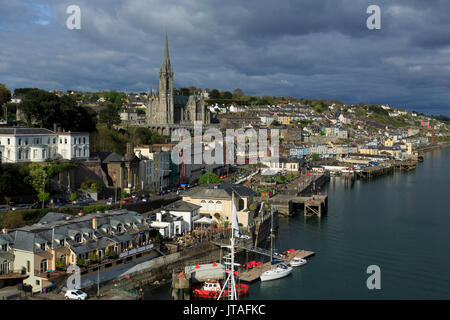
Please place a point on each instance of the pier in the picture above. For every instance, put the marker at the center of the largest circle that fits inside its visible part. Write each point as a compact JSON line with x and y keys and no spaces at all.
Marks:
{"x":254,"y":274}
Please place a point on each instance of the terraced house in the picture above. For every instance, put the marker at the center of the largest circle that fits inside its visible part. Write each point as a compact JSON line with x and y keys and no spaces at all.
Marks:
{"x":61,"y":239}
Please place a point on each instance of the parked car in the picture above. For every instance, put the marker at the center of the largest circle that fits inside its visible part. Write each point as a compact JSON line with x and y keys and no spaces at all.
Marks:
{"x":20,"y":207}
{"x":75,"y":295}
{"x":127,"y":200}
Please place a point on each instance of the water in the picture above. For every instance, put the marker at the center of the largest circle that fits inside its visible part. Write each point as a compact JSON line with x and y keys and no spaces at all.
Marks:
{"x":399,"y":222}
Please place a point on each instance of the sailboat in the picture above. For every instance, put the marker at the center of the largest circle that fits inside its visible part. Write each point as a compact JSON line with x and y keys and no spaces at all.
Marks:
{"x":281,"y":270}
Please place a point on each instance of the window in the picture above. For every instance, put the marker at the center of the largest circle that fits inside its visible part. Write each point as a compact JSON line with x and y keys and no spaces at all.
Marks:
{"x":78,"y":237}
{"x":26,"y":142}
{"x":219,"y":206}
{"x":61,"y":242}
{"x":4,"y":267}
{"x":60,"y":140}
{"x":20,"y":142}
{"x":84,"y":140}
{"x":43,"y":246}
{"x":9,"y":141}
{"x":54,"y":140}
{"x":28,"y":266}
{"x":203,"y":204}
{"x":211,"y":205}
{"x":65,"y":140}
{"x":44,"y":265}
{"x":5,"y":247}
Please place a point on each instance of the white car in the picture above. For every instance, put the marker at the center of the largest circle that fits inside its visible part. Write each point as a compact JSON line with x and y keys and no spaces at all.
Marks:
{"x":75,"y":295}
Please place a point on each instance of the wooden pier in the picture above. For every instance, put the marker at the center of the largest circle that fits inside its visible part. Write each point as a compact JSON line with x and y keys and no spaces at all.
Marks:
{"x":254,"y":274}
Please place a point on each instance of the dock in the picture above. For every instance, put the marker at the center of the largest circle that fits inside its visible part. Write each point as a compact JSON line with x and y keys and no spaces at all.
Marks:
{"x":254,"y":274}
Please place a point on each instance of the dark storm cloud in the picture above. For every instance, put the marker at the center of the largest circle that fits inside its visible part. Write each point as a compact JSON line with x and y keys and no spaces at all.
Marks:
{"x":310,"y":48}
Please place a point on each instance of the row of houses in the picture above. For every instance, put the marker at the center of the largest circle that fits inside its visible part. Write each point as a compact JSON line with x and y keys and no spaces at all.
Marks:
{"x":34,"y":252}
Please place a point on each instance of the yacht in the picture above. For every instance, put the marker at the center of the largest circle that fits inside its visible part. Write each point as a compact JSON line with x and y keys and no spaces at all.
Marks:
{"x":280,"y":271}
{"x":297,"y":261}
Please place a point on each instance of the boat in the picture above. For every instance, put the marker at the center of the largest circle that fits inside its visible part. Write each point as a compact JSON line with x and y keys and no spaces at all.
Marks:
{"x":281,"y":270}
{"x":297,"y":261}
{"x":212,"y":289}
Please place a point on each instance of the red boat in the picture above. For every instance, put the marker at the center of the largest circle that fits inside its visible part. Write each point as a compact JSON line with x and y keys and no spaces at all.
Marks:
{"x":211,"y":290}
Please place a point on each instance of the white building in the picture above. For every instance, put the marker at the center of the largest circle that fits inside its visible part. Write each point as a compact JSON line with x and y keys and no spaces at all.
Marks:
{"x":176,"y":218}
{"x":39,"y":144}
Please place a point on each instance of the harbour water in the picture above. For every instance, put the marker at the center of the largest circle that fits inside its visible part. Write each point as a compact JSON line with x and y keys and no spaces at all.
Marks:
{"x":399,"y":222}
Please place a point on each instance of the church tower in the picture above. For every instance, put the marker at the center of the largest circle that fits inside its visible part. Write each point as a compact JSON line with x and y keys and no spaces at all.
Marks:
{"x":166,"y":87}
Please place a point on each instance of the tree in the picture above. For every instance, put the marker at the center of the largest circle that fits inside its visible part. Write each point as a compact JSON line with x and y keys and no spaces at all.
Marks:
{"x":238,"y":93}
{"x":73,"y":196}
{"x":5,"y":94}
{"x":46,"y":109}
{"x":227,"y":95}
{"x":209,"y":178}
{"x":214,"y":94}
{"x":109,"y":116}
{"x":37,"y":178}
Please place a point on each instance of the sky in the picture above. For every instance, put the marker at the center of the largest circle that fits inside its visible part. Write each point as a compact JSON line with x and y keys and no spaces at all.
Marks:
{"x":300,"y":48}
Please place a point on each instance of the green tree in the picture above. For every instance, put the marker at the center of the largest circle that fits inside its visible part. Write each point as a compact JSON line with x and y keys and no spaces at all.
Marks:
{"x":37,"y":178}
{"x":73,"y":196}
{"x":227,"y":95}
{"x":214,"y":94}
{"x":109,"y":115}
{"x":238,"y":93}
{"x":209,"y":178}
{"x":5,"y":94}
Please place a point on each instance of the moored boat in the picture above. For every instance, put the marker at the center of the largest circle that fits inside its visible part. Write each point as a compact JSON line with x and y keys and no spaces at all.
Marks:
{"x":297,"y":261}
{"x":211,"y":290}
{"x":280,"y":271}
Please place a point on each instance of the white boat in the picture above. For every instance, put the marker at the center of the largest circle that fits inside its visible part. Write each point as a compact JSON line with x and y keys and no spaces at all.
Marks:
{"x":280,"y":271}
{"x":297,"y":261}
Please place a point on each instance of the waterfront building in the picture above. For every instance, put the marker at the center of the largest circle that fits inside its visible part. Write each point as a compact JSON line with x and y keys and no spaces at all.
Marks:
{"x":19,"y":145}
{"x":176,"y":218}
{"x":63,"y":239}
{"x":214,"y":199}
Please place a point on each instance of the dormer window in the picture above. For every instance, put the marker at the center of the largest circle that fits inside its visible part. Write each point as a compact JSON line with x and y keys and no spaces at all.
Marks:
{"x":5,"y":247}
{"x":119,"y":228}
{"x":43,"y":246}
{"x":78,"y":238}
{"x":61,"y":242}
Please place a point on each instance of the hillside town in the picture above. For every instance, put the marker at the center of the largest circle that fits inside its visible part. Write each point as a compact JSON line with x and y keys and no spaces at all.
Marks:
{"x":96,"y":185}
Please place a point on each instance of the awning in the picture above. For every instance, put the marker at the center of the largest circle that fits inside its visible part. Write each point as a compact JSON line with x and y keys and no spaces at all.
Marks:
{"x":204,"y":220}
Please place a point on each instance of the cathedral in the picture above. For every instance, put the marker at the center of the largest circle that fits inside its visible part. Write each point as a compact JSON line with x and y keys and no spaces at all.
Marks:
{"x":165,"y":108}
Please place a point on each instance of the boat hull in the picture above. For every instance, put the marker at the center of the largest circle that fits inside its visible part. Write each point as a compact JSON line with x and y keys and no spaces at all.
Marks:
{"x":270,"y":275}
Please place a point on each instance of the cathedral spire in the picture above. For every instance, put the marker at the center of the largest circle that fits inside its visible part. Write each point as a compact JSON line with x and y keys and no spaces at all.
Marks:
{"x":165,"y":66}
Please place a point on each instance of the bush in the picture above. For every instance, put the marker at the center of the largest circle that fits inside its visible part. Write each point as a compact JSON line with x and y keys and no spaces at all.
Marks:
{"x":81,"y":262}
{"x":60,"y":264}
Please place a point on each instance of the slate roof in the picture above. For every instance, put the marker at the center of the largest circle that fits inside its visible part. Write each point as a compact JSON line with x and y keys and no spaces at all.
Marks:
{"x":25,"y":131}
{"x":181,"y":206}
{"x":220,"y":191}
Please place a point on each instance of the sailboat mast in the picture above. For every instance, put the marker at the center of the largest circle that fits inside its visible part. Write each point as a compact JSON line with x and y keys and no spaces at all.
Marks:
{"x":271,"y":235}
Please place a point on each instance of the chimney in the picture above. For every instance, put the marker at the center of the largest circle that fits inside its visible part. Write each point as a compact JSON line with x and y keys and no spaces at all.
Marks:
{"x":4,"y":230}
{"x":94,"y":223}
